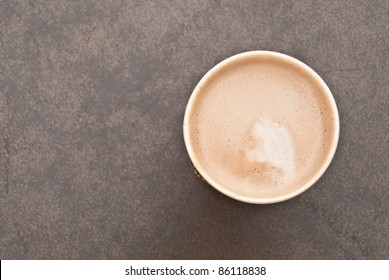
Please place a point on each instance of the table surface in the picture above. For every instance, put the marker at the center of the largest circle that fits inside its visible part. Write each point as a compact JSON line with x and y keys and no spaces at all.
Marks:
{"x":93,"y":163}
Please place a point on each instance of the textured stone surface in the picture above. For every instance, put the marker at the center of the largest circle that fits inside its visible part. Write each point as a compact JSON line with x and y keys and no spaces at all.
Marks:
{"x":93,"y":164}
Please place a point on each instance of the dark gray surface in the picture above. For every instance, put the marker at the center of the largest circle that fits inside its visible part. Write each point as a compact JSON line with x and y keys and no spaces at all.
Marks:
{"x":93,"y":164}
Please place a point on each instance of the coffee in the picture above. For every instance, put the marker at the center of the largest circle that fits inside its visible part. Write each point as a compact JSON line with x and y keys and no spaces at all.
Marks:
{"x":261,"y":126}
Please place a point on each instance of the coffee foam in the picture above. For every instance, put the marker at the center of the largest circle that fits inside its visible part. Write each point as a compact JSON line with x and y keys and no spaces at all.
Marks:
{"x":273,"y":145}
{"x":261,"y":127}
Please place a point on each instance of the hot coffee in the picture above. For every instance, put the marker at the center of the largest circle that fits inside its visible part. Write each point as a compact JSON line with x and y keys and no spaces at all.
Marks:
{"x":261,"y":126}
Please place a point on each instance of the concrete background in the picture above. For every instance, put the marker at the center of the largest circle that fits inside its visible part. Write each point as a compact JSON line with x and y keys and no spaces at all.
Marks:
{"x":93,"y":164}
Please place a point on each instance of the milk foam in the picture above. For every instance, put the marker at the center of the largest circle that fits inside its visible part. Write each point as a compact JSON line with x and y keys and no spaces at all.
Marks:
{"x":273,"y":145}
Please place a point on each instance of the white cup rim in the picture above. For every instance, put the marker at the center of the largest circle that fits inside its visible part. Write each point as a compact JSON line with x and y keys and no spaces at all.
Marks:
{"x":257,"y":200}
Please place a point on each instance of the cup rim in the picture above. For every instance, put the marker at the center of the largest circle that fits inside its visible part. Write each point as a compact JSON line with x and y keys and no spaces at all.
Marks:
{"x":258,"y":200}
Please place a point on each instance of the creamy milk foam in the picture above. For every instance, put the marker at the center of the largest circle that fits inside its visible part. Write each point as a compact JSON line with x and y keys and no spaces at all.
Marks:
{"x":261,"y":127}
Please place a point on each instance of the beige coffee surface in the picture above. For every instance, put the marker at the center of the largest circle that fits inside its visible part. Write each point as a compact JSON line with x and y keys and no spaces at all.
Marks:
{"x":261,"y":127}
